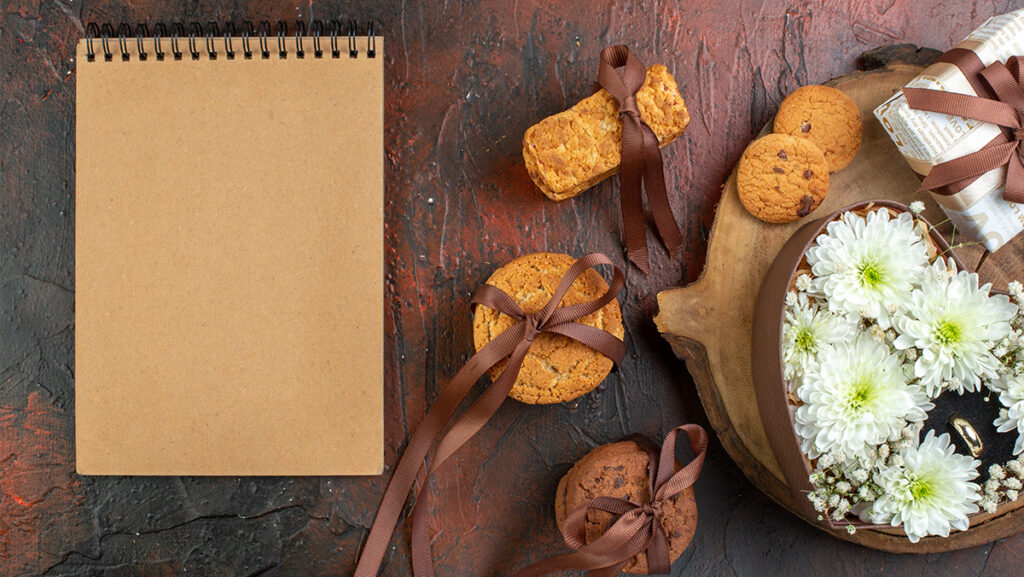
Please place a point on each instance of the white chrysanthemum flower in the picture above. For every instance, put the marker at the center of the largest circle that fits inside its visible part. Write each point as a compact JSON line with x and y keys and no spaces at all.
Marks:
{"x":931,"y":494}
{"x":955,"y":323}
{"x":1011,"y":395}
{"x":917,"y":207}
{"x":868,"y":266}
{"x":806,"y":329}
{"x":854,"y":398}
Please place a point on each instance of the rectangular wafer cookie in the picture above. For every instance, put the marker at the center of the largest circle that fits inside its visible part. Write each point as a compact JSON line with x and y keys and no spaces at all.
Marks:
{"x":573,"y":150}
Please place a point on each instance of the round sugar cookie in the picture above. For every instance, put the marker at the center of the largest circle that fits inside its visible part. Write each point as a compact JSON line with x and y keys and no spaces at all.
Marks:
{"x":782,"y":178}
{"x":556,"y":368}
{"x":826,"y":117}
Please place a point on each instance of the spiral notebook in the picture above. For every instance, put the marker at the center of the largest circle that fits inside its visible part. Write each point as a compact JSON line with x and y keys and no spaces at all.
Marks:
{"x":229,"y":251}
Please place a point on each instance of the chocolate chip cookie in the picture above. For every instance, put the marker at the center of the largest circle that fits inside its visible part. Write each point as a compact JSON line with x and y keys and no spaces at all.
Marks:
{"x":826,"y":117}
{"x":782,"y":178}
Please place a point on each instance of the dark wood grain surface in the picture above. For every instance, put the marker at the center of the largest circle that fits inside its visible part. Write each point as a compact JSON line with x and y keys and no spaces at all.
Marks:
{"x":464,"y":80}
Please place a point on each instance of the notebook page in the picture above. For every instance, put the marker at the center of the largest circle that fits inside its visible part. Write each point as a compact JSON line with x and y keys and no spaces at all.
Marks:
{"x":229,"y":284}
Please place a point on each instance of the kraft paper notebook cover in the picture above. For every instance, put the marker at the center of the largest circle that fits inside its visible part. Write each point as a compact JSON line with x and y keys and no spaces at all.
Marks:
{"x":229,"y":256}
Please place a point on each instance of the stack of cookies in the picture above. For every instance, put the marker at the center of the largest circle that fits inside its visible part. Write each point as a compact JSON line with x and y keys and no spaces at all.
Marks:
{"x":784,"y":176}
{"x":557,"y":369}
{"x":620,"y":470}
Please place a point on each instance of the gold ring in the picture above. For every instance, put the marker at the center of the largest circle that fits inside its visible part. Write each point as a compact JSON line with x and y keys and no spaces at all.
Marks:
{"x":968,"y":434}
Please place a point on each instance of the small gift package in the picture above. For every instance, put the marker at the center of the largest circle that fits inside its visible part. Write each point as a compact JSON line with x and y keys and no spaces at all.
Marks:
{"x":966,"y":147}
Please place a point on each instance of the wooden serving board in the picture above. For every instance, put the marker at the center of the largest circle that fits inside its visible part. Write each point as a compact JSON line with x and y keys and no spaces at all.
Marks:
{"x":708,"y":323}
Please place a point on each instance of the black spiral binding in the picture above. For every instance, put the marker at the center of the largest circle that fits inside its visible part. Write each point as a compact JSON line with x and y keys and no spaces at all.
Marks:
{"x":197,"y":33}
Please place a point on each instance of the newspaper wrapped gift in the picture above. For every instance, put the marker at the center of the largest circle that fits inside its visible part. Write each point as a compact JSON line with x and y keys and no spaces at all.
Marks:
{"x":927,"y":139}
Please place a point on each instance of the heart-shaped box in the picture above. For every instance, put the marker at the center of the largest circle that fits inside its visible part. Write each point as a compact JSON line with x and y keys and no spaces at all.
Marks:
{"x":770,"y":385}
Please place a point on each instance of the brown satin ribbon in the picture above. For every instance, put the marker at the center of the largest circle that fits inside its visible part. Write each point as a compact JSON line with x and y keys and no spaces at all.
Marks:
{"x":641,"y":166}
{"x":639,"y":526}
{"x":970,"y":66}
{"x":512,"y":344}
{"x":1005,"y":109}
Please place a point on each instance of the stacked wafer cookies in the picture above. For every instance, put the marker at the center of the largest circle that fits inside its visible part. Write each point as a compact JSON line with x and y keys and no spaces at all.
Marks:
{"x":573,"y":150}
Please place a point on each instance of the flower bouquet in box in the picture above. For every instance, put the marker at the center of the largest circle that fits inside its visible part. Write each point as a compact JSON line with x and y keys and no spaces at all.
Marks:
{"x":890,"y":381}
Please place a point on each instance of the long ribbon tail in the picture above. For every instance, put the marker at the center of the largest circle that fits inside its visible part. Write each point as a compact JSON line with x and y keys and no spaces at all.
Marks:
{"x":490,"y":401}
{"x":513,"y":344}
{"x":462,"y":431}
{"x":965,"y":105}
{"x":631,"y":174}
{"x":666,"y":482}
{"x":657,"y":194}
{"x":419,"y":445}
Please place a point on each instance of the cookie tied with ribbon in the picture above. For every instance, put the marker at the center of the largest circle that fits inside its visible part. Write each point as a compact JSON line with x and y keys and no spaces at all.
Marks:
{"x":576,"y":302}
{"x":1000,"y":101}
{"x":617,"y":129}
{"x":627,"y":507}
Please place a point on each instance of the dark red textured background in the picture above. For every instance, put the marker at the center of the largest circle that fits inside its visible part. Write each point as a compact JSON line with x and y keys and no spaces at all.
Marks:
{"x":464,"y":80}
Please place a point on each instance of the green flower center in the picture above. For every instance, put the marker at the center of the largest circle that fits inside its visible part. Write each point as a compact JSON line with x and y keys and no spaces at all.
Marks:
{"x":870,"y":273}
{"x":947,"y":333}
{"x":920,"y":489}
{"x":804,"y":341}
{"x":860,"y":394}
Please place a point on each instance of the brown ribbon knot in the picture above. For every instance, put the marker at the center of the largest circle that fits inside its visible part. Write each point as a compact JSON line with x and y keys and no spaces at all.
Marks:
{"x":639,"y":526}
{"x":512,"y":344}
{"x":1005,"y":109}
{"x":641,"y":166}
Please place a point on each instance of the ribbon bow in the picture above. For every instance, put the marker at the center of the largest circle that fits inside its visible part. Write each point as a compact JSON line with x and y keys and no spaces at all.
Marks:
{"x":639,"y":526}
{"x":512,"y":344}
{"x":1005,"y":109}
{"x":640,"y":166}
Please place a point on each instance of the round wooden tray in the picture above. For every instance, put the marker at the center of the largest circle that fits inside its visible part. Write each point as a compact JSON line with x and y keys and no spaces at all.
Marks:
{"x":708,"y":323}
